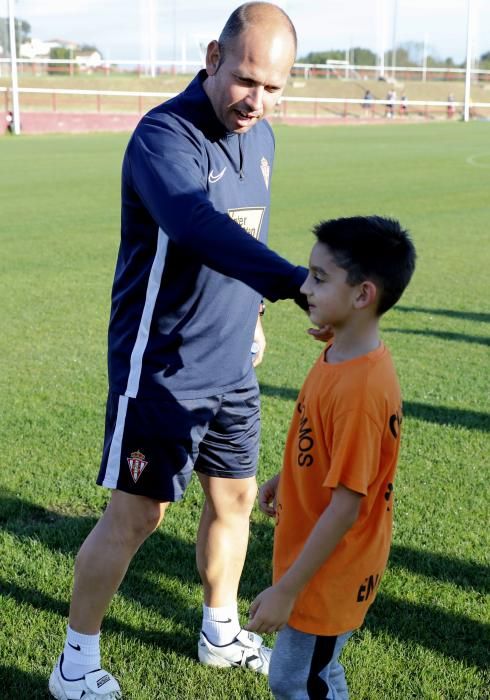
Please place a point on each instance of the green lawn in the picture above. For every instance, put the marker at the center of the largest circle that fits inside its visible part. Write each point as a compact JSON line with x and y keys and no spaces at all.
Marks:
{"x":427,"y":636}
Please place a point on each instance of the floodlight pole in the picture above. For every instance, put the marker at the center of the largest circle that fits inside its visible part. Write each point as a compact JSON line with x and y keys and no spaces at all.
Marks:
{"x":469,"y":47}
{"x":152,"y":36}
{"x":13,"y":70}
{"x":393,"y":39}
{"x":424,"y":60}
{"x":174,"y":42}
{"x":381,"y":7}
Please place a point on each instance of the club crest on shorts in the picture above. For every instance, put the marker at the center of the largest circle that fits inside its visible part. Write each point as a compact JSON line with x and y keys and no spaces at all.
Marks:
{"x":266,"y":170}
{"x":136,"y":464}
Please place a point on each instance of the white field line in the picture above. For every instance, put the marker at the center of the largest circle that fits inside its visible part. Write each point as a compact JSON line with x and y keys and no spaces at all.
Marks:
{"x":473,"y":160}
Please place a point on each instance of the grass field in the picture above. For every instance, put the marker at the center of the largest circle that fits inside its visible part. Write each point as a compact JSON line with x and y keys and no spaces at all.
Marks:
{"x":427,"y":637}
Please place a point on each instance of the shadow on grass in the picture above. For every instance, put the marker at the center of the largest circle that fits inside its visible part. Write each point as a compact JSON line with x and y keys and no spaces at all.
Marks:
{"x":440,"y":415}
{"x":464,"y":574}
{"x":450,"y":634}
{"x":161,"y":553}
{"x":478,"y":316}
{"x":279,"y":392}
{"x":19,"y":684}
{"x":443,"y":335}
{"x":454,"y":636}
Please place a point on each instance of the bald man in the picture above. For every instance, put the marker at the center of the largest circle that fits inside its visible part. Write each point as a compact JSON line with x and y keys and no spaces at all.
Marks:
{"x":191,"y":275}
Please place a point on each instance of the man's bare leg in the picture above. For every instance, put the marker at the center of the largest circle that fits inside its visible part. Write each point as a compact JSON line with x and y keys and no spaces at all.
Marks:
{"x":100,"y":566}
{"x":220,"y":553}
{"x":104,"y":557}
{"x":222,"y":537}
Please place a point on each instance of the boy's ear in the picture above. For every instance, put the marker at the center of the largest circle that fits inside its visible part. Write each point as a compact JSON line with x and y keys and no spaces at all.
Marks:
{"x":213,"y":57}
{"x":366,"y":295}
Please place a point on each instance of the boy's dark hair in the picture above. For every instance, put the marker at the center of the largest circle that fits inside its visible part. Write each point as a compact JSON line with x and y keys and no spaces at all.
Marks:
{"x":371,"y":248}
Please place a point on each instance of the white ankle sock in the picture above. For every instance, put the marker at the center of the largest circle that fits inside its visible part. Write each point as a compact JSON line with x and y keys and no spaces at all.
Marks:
{"x":81,"y":654}
{"x":220,"y":625}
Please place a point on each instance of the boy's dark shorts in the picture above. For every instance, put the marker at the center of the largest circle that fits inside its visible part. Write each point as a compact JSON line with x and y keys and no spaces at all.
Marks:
{"x":152,"y":446}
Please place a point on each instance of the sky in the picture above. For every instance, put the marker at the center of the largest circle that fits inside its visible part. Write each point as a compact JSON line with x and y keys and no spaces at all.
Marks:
{"x":120,"y":28}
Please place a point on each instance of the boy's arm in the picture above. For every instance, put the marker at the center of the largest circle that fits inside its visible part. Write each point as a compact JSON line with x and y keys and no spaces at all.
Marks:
{"x":271,"y":609}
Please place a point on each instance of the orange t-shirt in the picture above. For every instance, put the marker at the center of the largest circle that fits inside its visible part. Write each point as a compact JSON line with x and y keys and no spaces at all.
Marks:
{"x":345,"y":430}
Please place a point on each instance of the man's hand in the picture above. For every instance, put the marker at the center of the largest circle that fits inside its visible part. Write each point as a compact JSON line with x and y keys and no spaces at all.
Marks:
{"x":267,"y":496}
{"x":259,"y":339}
{"x":323,"y":334}
{"x":270,"y":610}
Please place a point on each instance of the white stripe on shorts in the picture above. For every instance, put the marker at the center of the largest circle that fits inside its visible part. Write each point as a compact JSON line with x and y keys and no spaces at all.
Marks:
{"x":114,"y":459}
{"x":152,"y":290}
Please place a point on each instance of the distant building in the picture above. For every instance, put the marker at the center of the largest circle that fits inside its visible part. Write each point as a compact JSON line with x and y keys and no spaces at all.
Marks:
{"x":37,"y":48}
{"x":88,"y":60}
{"x":34,"y":48}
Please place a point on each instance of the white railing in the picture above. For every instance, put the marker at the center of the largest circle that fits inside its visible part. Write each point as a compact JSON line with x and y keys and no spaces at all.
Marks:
{"x":313,"y":109}
{"x":303,"y":100}
{"x":308,"y":67}
{"x":367,"y":107}
{"x":305,"y":68}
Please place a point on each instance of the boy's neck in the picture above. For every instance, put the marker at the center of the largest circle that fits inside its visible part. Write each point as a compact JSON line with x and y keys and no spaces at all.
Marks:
{"x":352,"y":342}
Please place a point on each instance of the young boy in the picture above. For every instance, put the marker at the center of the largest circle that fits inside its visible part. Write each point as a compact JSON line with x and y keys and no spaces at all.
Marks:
{"x":333,"y":500}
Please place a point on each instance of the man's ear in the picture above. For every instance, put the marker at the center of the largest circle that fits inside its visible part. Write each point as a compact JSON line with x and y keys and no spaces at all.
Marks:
{"x":366,"y":294}
{"x":213,"y":57}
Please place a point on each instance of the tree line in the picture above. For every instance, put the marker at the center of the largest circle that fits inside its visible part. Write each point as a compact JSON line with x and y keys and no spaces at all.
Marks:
{"x":407,"y":55}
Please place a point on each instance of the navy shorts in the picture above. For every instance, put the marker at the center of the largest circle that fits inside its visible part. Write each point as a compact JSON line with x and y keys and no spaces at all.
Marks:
{"x":152,"y":446}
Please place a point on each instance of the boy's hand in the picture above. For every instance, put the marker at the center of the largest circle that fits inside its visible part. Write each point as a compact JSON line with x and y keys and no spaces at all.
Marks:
{"x":270,"y":611}
{"x":267,"y":496}
{"x":259,"y":341}
{"x":323,"y":334}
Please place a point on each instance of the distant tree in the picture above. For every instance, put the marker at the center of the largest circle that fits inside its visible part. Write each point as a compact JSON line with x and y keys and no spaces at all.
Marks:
{"x":433,"y":62}
{"x":436,"y":62}
{"x":409,"y":54}
{"x":363,"y":57}
{"x":414,"y":50}
{"x":402,"y":57}
{"x":322,"y":56}
{"x":358,"y":55}
{"x":485,"y":60}
{"x":59,"y":68}
{"x":4,"y":36}
{"x":22,"y":33}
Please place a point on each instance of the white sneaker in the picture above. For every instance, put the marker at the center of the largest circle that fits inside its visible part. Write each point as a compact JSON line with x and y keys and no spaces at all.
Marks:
{"x":97,"y":685}
{"x":245,"y":650}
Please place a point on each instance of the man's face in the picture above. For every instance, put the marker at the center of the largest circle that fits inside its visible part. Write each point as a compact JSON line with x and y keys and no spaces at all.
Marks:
{"x":246,"y":84}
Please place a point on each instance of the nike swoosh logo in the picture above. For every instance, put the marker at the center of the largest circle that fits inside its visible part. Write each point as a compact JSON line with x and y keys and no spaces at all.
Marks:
{"x":223,"y":622}
{"x":215,"y":178}
{"x":77,"y":647}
